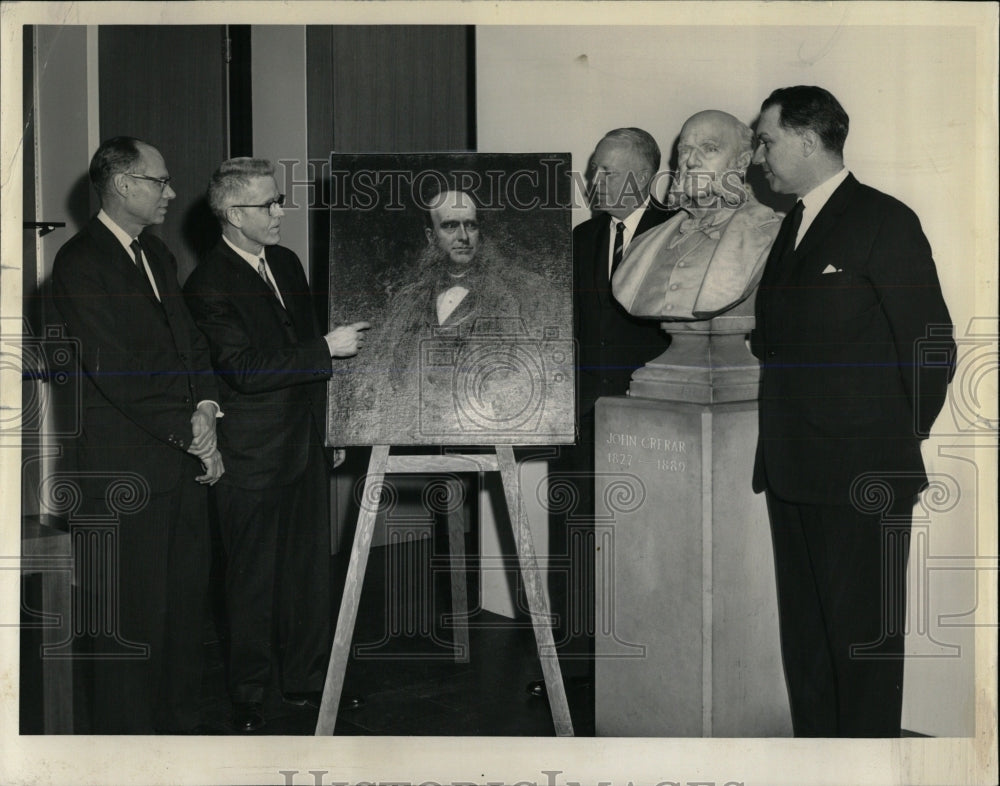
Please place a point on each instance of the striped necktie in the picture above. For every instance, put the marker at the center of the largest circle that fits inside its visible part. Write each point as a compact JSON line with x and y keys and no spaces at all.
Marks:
{"x":619,"y":252}
{"x":262,"y":269}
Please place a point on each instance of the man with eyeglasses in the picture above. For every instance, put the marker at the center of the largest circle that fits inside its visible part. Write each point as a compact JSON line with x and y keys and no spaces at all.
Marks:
{"x":147,"y":449}
{"x":250,"y":298}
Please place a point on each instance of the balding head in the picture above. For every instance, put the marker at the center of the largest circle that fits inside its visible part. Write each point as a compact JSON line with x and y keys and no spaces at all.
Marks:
{"x":454,"y":228}
{"x":722,"y":123}
{"x":712,"y":143}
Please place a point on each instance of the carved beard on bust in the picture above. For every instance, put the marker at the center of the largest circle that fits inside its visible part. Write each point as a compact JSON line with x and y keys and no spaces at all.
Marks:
{"x":701,"y":190}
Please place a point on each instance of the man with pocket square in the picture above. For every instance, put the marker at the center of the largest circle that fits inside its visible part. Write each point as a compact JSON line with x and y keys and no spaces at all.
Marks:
{"x":843,"y":313}
{"x":250,"y":298}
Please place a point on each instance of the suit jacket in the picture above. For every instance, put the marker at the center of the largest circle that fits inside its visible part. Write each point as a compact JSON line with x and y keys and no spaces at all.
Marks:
{"x":715,"y":272}
{"x":611,"y":343}
{"x":146,"y":364}
{"x":272,"y":363}
{"x":841,"y":330}
{"x":402,"y":390}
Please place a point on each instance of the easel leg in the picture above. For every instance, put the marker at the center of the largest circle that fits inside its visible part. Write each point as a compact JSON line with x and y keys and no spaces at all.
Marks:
{"x":459,"y":588}
{"x":341,"y":652}
{"x":537,"y":604}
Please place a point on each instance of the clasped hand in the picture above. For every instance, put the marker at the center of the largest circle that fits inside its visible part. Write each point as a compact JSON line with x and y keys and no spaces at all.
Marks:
{"x":203,"y":445}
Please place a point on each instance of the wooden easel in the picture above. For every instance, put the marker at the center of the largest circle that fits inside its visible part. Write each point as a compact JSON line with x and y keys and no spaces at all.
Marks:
{"x":380,"y":465}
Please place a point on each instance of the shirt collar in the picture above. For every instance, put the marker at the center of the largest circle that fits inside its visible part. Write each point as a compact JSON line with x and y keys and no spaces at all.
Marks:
{"x":120,"y":234}
{"x":251,"y":259}
{"x":813,"y":201}
{"x":631,"y":221}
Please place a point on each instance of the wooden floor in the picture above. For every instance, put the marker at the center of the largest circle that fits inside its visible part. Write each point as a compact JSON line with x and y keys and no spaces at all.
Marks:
{"x":405,"y":674}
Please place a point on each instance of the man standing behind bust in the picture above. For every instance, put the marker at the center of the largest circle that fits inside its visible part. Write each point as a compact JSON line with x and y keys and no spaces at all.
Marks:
{"x":848,"y":294}
{"x":250,"y":298}
{"x":612,"y":343}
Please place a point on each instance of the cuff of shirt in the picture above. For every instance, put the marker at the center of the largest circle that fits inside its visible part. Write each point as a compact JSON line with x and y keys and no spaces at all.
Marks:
{"x":218,"y":410}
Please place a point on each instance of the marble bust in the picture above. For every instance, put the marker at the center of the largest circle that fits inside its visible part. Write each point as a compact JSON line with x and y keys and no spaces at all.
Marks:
{"x":708,"y":258}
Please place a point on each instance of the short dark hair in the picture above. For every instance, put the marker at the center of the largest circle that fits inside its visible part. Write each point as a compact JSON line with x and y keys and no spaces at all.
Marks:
{"x":641,"y":142}
{"x":115,"y":156}
{"x":810,"y":107}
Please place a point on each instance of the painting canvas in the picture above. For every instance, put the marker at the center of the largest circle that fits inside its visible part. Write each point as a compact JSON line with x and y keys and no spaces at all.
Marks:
{"x":462,"y":263}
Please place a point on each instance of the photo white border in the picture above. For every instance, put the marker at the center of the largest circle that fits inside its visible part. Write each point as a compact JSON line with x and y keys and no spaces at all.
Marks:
{"x":259,"y":760}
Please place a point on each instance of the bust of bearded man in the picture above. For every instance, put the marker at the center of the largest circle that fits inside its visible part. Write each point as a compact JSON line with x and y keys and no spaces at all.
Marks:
{"x":708,"y":259}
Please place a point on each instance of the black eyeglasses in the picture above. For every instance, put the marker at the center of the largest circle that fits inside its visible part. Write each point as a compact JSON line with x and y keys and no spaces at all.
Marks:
{"x":163,"y":181}
{"x":269,"y":206}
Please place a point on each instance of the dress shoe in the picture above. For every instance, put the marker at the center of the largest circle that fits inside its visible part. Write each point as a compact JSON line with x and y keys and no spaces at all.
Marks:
{"x":248,"y":716}
{"x":314,"y":698}
{"x":536,"y":688}
{"x":309,"y":698}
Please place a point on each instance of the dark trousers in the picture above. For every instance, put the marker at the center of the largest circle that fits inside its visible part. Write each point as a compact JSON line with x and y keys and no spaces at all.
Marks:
{"x":146,"y":616}
{"x":277,"y":546}
{"x":841,"y":577}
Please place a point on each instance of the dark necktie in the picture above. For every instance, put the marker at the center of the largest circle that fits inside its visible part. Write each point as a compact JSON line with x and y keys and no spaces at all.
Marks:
{"x":137,"y":253}
{"x":619,"y":252}
{"x":789,"y":231}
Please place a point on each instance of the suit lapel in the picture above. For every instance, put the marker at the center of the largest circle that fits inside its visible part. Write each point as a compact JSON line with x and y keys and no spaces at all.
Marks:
{"x":827,"y":218}
{"x":652,"y":217}
{"x":601,"y":283}
{"x":286,"y":286}
{"x":156,"y":268}
{"x":120,"y":260}
{"x":777,"y":267}
{"x":250,"y":281}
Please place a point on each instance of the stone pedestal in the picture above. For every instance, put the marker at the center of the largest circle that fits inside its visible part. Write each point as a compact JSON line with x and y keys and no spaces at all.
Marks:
{"x":706,"y":362}
{"x":687,"y":625}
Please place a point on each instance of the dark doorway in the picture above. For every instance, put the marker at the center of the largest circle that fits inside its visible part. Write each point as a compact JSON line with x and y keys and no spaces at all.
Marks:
{"x":168,"y":85}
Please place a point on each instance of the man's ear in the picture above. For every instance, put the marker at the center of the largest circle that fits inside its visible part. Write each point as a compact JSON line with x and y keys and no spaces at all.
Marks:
{"x":234,"y":216}
{"x":743,"y":159}
{"x":120,"y":183}
{"x":429,"y":234}
{"x":810,"y":142}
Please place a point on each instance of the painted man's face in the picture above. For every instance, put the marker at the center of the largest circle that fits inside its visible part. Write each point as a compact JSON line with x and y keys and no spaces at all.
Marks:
{"x":456,"y":230}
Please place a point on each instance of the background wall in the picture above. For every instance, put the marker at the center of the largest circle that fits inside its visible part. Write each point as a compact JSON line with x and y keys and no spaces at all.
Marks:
{"x":911,"y":95}
{"x":278,"y":85}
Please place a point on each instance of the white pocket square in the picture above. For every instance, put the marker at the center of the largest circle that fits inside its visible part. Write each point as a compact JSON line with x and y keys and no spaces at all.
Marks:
{"x":832,"y":269}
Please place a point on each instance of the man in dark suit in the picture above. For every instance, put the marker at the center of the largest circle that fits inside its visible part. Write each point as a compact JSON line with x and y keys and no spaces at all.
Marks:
{"x":250,"y":298}
{"x":847,"y":297}
{"x":149,"y":414}
{"x":612,"y":343}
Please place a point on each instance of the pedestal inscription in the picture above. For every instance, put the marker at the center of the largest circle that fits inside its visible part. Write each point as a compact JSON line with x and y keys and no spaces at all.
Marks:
{"x":684,"y":575}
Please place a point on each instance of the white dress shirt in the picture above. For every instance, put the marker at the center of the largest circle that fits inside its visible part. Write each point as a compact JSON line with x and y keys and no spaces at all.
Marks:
{"x":631,"y":222}
{"x":813,"y":202}
{"x":126,"y":241}
{"x":123,"y":237}
{"x":448,"y":301}
{"x":254,"y":261}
